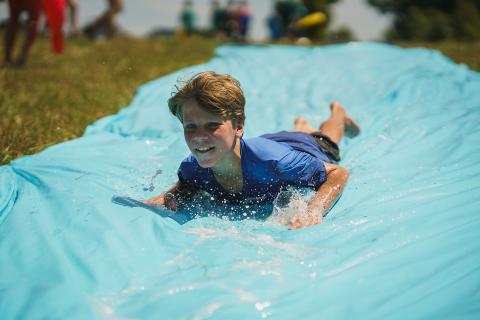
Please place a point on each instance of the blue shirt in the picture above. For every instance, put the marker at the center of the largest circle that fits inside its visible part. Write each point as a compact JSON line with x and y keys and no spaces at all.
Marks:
{"x":269,"y":163}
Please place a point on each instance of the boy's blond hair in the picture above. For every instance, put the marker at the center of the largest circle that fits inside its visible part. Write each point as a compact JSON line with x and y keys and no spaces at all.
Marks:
{"x":217,"y":93}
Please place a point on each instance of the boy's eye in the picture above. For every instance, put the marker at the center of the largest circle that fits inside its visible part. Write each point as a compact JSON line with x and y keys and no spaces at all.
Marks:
{"x":213,"y":126}
{"x":189,"y":127}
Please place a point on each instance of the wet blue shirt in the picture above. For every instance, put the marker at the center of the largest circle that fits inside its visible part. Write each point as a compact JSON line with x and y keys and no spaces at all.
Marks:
{"x":269,"y":163}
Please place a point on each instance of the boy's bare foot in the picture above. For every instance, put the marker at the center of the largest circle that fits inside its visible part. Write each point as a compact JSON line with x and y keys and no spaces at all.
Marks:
{"x":302,"y":125}
{"x":352,"y":129}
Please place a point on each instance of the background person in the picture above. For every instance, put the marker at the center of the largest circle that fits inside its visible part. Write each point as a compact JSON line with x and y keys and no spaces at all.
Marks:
{"x":55,"y":14}
{"x":16,"y":7}
{"x":106,"y":21}
{"x":218,"y":19}
{"x":73,"y":18}
{"x":244,"y":16}
{"x":187,"y":17}
{"x":232,"y":27}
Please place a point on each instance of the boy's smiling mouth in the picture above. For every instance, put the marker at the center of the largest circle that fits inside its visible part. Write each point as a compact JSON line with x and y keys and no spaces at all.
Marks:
{"x":203,"y":149}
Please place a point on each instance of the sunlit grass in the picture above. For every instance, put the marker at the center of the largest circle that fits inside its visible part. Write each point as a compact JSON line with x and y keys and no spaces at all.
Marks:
{"x":460,"y":52}
{"x":53,"y":98}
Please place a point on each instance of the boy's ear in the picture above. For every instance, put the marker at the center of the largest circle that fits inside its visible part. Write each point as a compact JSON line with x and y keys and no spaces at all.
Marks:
{"x":239,"y":128}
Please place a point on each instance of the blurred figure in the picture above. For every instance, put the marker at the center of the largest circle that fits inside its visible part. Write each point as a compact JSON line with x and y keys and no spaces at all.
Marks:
{"x":187,"y":17}
{"x":73,"y":18}
{"x":274,"y":23}
{"x":16,"y":7}
{"x":106,"y":21}
{"x":55,"y":13}
{"x":232,"y":26}
{"x":290,"y":11}
{"x":219,"y":19}
{"x":286,"y":10}
{"x":245,"y":15}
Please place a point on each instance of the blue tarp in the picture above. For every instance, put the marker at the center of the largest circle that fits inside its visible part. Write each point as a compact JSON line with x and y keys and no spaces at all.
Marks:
{"x":403,"y":242}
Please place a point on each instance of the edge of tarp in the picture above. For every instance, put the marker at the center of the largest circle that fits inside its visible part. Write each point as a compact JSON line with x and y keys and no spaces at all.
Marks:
{"x":9,"y":191}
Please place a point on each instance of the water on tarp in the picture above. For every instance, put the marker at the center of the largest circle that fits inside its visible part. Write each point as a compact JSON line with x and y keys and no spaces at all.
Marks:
{"x":204,"y":205}
{"x":289,"y":204}
{"x":151,"y":184}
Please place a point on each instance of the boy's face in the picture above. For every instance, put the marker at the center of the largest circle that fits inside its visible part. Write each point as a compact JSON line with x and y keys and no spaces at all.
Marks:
{"x":210,"y":137}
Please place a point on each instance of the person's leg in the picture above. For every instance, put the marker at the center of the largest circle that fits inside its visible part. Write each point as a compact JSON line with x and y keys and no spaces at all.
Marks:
{"x":12,"y":29}
{"x":334,"y":127}
{"x":338,"y":124}
{"x":101,"y":22}
{"x":302,"y":125}
{"x":115,"y":6}
{"x":105,"y":20}
{"x":73,"y":15}
{"x":33,"y":9}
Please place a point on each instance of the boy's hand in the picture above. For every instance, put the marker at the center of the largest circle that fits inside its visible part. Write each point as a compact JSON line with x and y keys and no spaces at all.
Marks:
{"x":155,"y":201}
{"x":324,"y":198}
{"x":306,"y":220}
{"x":166,"y":199}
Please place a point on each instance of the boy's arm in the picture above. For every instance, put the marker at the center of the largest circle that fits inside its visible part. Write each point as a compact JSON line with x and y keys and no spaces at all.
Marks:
{"x":171,"y":197}
{"x":324,"y":198}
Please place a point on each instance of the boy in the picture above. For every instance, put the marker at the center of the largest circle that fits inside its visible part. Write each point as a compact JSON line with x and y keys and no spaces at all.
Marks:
{"x":210,"y":107}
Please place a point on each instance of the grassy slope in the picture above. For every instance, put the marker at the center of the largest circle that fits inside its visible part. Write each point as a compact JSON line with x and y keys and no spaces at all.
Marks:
{"x":467,"y":53}
{"x":52,"y":99}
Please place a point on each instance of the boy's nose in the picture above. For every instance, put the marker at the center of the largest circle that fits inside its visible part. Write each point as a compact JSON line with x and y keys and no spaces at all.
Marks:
{"x":200,"y":137}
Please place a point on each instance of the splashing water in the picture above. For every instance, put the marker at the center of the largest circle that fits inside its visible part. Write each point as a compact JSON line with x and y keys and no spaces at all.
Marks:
{"x":289,"y":205}
{"x":151,"y":186}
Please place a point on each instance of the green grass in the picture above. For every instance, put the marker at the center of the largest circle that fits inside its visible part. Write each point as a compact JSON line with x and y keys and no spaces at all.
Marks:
{"x":460,"y":52}
{"x":53,"y":98}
